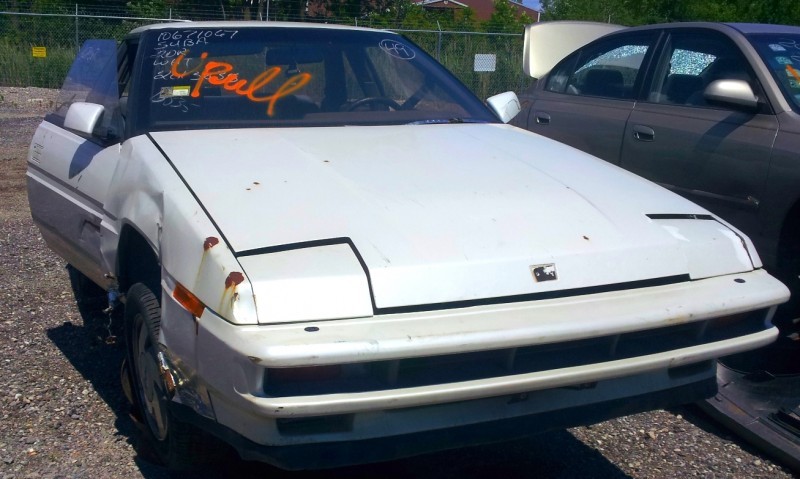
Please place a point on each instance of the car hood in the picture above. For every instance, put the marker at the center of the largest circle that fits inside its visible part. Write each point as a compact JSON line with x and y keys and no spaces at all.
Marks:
{"x":447,"y":213}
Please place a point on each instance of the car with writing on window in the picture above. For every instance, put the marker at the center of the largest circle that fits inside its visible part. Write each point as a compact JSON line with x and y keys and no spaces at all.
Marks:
{"x":329,"y":252}
{"x":712,"y":112}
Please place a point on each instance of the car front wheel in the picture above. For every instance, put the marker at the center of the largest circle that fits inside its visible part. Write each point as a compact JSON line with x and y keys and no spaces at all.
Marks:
{"x":179,"y":445}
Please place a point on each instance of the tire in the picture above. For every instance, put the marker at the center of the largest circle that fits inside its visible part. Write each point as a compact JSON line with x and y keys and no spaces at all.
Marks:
{"x":180,"y":446}
{"x":89,"y":297}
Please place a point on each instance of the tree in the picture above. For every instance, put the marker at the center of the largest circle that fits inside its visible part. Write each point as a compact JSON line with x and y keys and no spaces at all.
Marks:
{"x":504,"y":19}
{"x":148,"y":8}
{"x":624,"y":12}
{"x":630,"y":12}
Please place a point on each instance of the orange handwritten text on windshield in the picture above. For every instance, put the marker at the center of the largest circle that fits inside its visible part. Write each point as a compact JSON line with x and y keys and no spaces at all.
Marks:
{"x":794,"y":72}
{"x":223,"y":74}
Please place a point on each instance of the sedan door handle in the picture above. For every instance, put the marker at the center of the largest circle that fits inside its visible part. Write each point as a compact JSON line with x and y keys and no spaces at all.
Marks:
{"x":543,"y":118}
{"x":643,"y":133}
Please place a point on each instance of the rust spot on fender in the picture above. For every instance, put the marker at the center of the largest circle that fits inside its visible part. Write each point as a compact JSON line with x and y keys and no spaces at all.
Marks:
{"x":210,"y":242}
{"x":234,"y":279}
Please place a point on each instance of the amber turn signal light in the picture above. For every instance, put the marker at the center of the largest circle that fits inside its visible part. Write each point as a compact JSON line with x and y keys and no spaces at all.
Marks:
{"x":189,"y":301}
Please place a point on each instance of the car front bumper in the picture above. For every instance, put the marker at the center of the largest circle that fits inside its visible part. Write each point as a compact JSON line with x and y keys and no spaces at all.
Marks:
{"x":553,"y":355}
{"x":325,"y":455}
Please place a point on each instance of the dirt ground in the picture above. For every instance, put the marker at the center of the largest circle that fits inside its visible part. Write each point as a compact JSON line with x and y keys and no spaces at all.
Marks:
{"x":63,"y":413}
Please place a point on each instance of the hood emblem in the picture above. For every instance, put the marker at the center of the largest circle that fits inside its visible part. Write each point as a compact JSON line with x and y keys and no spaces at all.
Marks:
{"x":544,"y":272}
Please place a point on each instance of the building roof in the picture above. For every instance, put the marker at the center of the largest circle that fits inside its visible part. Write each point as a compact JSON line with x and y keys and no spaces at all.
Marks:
{"x":483,"y":8}
{"x":444,"y":2}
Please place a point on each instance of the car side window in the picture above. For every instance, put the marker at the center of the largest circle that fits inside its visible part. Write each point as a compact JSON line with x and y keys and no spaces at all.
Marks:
{"x":126,"y":54}
{"x":692,"y":61}
{"x":607,"y":69}
{"x":93,"y":78}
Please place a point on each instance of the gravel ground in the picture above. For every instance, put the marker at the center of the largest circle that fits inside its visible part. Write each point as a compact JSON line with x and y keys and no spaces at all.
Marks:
{"x":64,"y":414}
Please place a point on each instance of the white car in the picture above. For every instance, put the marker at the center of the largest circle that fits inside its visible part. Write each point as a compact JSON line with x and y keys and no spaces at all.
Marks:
{"x":330,"y":252}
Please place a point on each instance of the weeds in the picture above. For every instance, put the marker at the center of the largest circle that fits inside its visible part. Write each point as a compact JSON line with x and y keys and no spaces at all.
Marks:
{"x":18,"y":67}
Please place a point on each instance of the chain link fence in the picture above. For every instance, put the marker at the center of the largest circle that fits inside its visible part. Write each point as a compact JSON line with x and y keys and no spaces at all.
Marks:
{"x":37,"y":49}
{"x":487,"y":63}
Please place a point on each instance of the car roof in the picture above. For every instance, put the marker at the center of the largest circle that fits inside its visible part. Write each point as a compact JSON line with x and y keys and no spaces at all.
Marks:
{"x":744,"y":28}
{"x":246,"y":24}
{"x":764,"y":28}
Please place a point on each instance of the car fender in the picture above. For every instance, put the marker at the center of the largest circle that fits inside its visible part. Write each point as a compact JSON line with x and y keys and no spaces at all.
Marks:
{"x":148,"y":194}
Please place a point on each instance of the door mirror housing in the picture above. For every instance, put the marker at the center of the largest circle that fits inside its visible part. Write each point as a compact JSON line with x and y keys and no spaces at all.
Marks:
{"x":505,"y":105}
{"x":83,"y":117}
{"x":736,"y":93}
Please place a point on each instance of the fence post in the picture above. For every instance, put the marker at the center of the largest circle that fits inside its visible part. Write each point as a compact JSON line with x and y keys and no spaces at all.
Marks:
{"x":77,"y":40}
{"x":438,"y":42}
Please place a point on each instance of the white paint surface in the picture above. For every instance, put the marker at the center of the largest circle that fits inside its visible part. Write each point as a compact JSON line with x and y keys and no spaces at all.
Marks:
{"x":440,"y":213}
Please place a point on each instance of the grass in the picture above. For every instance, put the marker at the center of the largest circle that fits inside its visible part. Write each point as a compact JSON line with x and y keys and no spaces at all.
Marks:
{"x":18,"y":67}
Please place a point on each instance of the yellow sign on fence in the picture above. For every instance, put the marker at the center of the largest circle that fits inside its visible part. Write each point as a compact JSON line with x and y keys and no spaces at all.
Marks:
{"x":39,"y":52}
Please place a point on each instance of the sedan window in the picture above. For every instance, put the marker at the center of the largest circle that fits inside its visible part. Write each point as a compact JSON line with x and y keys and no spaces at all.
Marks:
{"x":691,"y":61}
{"x":607,"y":69}
{"x":781,"y":53}
{"x":93,"y":78}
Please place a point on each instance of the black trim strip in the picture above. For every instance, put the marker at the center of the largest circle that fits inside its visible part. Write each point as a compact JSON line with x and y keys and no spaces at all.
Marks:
{"x":191,"y":191}
{"x":315,"y":244}
{"x":293,"y":246}
{"x":55,"y":119}
{"x":681,"y":217}
{"x":520,"y":298}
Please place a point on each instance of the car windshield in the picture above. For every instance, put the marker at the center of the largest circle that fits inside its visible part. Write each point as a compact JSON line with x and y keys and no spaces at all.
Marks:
{"x":293,"y":76}
{"x":781,"y":53}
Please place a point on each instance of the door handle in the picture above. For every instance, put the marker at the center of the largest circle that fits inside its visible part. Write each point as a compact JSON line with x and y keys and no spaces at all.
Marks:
{"x":542,"y":118}
{"x":643,"y":133}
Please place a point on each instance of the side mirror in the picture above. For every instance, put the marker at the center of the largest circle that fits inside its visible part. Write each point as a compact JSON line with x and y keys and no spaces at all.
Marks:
{"x":505,"y":105}
{"x":731,"y":92}
{"x":83,"y":117}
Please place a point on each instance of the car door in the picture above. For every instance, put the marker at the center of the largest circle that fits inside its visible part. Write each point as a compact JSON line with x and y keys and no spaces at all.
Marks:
{"x":716,"y":155}
{"x":68,"y":171}
{"x":586,"y":99}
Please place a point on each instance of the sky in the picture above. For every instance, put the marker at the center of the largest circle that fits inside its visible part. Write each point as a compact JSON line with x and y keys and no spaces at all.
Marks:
{"x":531,"y":3}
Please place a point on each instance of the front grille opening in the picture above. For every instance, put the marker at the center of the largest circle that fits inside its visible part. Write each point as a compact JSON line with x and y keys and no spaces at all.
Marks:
{"x":452,"y":368}
{"x":689,"y":370}
{"x":303,"y":426}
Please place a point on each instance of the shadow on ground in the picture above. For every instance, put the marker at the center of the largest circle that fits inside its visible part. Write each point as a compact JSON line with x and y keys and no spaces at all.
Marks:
{"x":552,"y":455}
